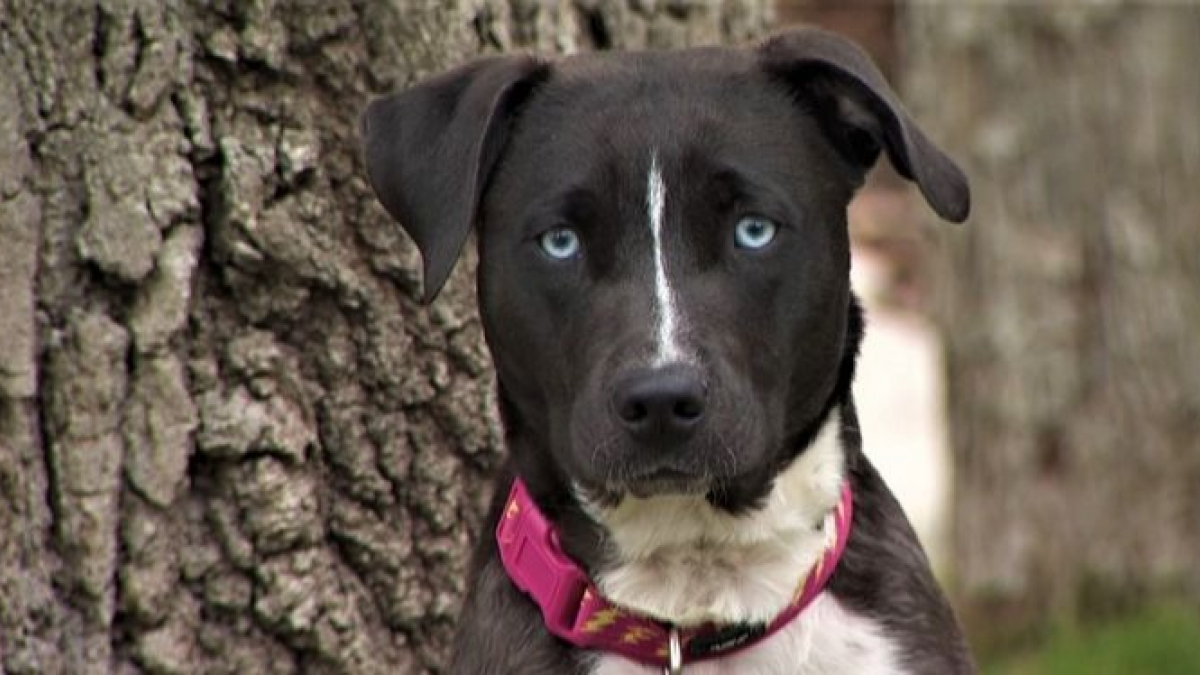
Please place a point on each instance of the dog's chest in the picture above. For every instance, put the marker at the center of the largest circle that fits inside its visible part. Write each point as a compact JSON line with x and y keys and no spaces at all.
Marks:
{"x":683,"y":560}
{"x":827,"y":639}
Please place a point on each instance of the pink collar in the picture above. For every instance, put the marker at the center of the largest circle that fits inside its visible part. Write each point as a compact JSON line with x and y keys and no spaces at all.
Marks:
{"x":574,"y":610}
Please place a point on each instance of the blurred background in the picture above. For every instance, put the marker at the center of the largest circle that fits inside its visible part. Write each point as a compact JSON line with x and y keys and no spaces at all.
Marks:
{"x":1031,"y":378}
{"x":231,"y":441}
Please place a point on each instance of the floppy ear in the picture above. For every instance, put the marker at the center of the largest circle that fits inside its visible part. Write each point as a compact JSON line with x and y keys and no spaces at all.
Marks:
{"x":861,"y":113}
{"x":430,"y":149}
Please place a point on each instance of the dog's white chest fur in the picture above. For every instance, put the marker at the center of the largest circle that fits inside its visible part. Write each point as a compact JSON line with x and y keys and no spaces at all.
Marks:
{"x":827,"y":639}
{"x":684,"y":561}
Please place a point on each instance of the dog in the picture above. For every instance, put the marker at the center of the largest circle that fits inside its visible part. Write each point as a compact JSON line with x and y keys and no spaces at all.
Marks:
{"x":664,"y":287}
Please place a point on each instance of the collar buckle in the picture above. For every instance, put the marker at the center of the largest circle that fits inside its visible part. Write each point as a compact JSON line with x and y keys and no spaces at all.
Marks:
{"x":530,"y":552}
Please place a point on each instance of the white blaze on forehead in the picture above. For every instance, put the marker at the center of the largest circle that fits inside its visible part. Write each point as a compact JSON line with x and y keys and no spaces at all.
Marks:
{"x":666,"y":310}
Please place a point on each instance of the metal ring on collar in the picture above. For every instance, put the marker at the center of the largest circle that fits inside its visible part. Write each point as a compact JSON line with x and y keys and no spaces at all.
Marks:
{"x":674,"y":655}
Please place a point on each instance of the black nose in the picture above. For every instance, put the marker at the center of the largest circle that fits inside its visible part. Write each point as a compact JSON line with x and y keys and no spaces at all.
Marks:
{"x":662,"y":405}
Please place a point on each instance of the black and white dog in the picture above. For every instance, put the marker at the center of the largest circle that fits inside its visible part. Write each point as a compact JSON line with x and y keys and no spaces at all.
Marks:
{"x":664,"y":285}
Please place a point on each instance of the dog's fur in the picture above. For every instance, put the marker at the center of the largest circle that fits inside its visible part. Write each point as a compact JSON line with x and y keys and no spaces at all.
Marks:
{"x":677,"y":402}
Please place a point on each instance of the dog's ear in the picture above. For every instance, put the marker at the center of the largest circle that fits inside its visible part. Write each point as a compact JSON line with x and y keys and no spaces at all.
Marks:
{"x":430,"y":149}
{"x":858,"y":109}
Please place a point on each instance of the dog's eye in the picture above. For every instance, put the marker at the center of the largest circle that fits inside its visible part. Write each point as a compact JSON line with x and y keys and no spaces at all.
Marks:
{"x":560,"y":243}
{"x":754,"y":232}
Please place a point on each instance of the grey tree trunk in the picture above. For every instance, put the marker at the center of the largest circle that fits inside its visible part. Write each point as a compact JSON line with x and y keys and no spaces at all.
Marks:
{"x":230,"y":440}
{"x":1072,"y":300}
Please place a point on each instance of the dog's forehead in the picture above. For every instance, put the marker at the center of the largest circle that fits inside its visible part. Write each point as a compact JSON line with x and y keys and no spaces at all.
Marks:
{"x":601,"y":117}
{"x":613,"y":106}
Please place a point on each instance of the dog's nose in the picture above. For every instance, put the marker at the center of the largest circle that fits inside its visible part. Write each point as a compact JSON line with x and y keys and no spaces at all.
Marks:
{"x":660,"y":404}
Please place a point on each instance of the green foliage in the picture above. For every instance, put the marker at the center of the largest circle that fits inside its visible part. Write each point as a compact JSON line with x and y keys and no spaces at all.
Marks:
{"x":1163,"y":640}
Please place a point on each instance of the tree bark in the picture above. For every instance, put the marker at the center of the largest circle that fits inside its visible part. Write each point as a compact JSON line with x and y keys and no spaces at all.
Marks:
{"x":230,"y":439}
{"x":1071,"y":307}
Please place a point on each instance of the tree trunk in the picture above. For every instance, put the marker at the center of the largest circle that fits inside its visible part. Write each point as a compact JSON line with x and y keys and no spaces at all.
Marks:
{"x":230,"y":439}
{"x":1071,"y":299}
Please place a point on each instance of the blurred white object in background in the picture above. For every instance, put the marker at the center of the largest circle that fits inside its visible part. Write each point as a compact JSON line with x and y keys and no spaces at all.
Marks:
{"x":899,"y":391}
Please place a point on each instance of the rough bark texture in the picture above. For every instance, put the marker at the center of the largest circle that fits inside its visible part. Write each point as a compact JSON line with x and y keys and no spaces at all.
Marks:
{"x":230,"y":440}
{"x":1072,"y":299}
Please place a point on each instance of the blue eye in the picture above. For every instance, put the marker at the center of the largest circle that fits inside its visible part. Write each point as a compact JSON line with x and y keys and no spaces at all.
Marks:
{"x":561,"y":243}
{"x":754,"y":232}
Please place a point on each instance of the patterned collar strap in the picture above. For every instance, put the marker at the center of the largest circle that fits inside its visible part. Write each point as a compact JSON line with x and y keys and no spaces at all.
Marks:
{"x":574,"y":610}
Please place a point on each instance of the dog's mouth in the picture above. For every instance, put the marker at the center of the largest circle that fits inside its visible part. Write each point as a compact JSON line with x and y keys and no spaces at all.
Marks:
{"x":667,"y":481}
{"x":656,"y":482}
{"x":608,"y":462}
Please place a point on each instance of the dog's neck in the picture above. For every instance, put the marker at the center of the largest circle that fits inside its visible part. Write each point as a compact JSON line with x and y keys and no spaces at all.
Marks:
{"x":686,"y":562}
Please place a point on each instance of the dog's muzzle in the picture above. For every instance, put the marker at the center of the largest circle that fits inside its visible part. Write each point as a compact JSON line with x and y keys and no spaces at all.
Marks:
{"x":660,"y":407}
{"x":660,"y":413}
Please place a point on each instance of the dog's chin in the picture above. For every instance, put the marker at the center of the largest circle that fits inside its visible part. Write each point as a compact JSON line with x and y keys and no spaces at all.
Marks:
{"x":658,"y":483}
{"x":668,"y":482}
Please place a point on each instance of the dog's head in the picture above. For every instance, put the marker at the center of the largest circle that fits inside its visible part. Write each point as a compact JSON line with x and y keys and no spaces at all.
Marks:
{"x":664,"y":268}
